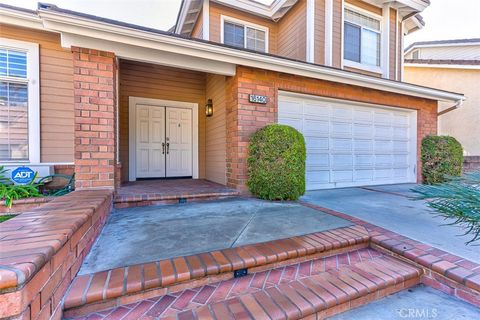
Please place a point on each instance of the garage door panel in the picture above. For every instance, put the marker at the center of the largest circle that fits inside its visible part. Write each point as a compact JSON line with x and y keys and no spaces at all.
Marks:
{"x":350,"y":144}
{"x":319,"y":143}
{"x":342,"y":161}
{"x":363,"y":145}
{"x":342,"y":175}
{"x":341,"y":129}
{"x":315,"y":110}
{"x":316,"y":127}
{"x":364,"y":160}
{"x":363,"y":115}
{"x":318,"y":177}
{"x":341,"y":144}
{"x":317,"y":159}
{"x":342,"y":113}
{"x":363,"y":175}
{"x":363,"y":130}
{"x":383,"y":132}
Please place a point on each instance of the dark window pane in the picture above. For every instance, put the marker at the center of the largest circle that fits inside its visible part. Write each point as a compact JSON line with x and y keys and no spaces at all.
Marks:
{"x":233,"y":34}
{"x":352,"y":42}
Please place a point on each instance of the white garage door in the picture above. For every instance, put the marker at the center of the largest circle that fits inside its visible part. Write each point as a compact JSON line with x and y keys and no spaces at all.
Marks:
{"x":352,"y":144}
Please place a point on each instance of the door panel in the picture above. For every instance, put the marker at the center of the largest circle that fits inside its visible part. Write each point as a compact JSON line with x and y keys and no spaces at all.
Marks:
{"x":150,"y":127}
{"x":179,"y":140}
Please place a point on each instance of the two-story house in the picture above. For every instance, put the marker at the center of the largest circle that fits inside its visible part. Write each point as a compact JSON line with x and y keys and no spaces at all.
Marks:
{"x":117,"y":102}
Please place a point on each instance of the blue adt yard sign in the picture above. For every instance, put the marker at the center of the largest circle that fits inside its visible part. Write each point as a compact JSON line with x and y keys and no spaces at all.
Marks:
{"x":23,"y":175}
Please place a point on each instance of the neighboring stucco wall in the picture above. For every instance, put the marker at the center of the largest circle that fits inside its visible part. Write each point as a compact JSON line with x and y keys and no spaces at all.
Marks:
{"x":463,"y":123}
{"x":56,"y":93}
{"x":158,"y":82}
{"x":216,"y":131}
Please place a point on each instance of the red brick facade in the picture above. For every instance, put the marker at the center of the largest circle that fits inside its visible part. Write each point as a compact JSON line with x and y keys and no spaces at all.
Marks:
{"x":244,"y":118}
{"x":95,"y":118}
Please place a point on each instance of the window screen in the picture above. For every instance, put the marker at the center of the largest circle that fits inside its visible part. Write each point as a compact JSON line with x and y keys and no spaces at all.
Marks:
{"x":13,"y":105}
{"x":361,"y":38}
{"x":233,"y":34}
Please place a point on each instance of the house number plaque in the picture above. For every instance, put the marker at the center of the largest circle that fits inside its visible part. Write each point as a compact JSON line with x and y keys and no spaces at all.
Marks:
{"x":254,"y":98}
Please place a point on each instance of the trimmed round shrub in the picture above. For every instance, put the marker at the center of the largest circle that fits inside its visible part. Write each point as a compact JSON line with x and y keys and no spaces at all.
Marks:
{"x":276,"y":163}
{"x":442,"y":156}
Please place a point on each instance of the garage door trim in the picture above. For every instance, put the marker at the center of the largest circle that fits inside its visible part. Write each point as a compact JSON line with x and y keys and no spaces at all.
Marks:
{"x":409,"y":125}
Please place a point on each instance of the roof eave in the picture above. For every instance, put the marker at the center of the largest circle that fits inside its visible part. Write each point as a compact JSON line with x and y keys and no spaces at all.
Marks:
{"x":81,"y":26}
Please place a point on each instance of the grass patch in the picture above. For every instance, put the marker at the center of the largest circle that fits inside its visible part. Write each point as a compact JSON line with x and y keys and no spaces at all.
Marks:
{"x":6,"y":217}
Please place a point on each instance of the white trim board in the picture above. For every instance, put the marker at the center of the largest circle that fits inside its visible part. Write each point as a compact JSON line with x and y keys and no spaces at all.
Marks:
{"x":224,"y":18}
{"x":33,"y":81}
{"x":132,"y":103}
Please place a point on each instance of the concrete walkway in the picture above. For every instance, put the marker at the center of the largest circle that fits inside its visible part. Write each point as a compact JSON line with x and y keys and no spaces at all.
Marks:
{"x":417,"y":303}
{"x":145,"y":234}
{"x":393,"y":208}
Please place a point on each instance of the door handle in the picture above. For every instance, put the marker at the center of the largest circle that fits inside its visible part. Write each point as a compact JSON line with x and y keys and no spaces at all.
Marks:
{"x":163,"y":147}
{"x":168,"y":147}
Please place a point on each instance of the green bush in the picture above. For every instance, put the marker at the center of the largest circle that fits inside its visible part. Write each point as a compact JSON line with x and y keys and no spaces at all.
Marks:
{"x":276,"y":163}
{"x":10,"y":191}
{"x":442,"y":156}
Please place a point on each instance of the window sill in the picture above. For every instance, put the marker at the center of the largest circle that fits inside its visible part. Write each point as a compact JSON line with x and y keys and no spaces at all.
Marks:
{"x":364,"y":67}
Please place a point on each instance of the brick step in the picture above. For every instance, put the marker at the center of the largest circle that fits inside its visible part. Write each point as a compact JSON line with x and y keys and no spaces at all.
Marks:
{"x":129,"y":284}
{"x":122,"y":201}
{"x":311,"y":289}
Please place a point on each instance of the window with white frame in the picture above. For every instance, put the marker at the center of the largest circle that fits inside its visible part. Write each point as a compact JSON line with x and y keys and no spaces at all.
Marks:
{"x":361,"y":38}
{"x":19,"y":114}
{"x":243,"y":35}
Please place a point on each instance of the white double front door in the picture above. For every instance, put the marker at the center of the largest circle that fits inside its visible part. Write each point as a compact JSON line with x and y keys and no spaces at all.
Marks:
{"x":163,"y":141}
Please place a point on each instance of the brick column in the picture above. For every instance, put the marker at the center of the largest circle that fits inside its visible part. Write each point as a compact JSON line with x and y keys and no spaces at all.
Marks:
{"x":95,"y":115}
{"x":244,"y":118}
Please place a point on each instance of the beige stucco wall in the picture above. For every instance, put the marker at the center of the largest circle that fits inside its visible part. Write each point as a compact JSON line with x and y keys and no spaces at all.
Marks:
{"x":463,"y":123}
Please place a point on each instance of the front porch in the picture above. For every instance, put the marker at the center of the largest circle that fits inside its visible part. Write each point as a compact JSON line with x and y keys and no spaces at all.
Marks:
{"x":155,"y":192}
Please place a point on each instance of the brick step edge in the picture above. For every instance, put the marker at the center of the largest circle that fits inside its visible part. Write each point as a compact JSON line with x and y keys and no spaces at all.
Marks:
{"x":317,"y":296}
{"x":133,"y":283}
{"x":159,"y":197}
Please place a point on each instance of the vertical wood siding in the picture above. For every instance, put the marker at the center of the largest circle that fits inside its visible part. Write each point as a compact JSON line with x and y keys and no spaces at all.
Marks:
{"x":292,"y":29}
{"x":159,"y":82}
{"x":319,"y":31}
{"x":393,"y":43}
{"x":337,"y":34}
{"x":216,"y":131}
{"x":56,"y":93}
{"x":216,"y":10}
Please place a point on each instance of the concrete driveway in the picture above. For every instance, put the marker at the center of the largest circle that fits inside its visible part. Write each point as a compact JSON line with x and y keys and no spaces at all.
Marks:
{"x":392,"y":207}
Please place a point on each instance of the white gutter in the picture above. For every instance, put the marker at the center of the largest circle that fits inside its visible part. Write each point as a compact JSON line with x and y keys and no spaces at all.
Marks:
{"x":443,"y":66}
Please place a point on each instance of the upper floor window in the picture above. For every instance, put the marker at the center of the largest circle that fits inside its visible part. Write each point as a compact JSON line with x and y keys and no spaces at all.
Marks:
{"x":19,"y":137}
{"x":361,"y":38}
{"x":415,"y":54}
{"x":244,"y":35}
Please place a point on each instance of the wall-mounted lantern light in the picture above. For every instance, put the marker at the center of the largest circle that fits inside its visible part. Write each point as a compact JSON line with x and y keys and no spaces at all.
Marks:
{"x":209,"y":108}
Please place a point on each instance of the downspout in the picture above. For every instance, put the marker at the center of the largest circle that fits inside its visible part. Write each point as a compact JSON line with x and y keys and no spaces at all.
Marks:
{"x":457,"y":105}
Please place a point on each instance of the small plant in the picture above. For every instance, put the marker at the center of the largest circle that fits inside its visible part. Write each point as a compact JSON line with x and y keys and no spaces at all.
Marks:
{"x":276,"y":163}
{"x":457,"y":199}
{"x":442,"y":156}
{"x":10,"y":191}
